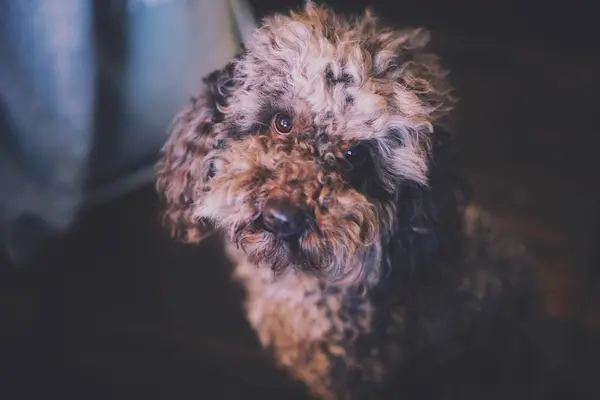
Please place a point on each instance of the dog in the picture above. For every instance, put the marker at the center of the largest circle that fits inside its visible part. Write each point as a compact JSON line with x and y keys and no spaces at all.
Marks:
{"x":322,"y":155}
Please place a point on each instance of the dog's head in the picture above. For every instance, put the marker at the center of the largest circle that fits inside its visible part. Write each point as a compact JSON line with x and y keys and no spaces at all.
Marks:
{"x":298,"y":150}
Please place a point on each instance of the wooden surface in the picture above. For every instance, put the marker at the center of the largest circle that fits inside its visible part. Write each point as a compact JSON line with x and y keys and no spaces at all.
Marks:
{"x":118,"y":310}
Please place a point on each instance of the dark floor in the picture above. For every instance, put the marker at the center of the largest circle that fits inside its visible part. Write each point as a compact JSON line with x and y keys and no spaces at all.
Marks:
{"x":117,"y":310}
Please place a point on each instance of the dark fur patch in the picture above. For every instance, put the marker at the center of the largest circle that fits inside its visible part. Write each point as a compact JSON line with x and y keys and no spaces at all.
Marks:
{"x":332,"y":79}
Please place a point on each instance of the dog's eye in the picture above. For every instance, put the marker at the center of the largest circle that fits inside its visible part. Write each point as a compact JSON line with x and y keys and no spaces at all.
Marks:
{"x":282,"y":123}
{"x":356,"y":154}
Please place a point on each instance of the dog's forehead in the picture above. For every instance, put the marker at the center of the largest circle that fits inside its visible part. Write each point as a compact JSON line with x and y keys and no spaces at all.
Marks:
{"x":331,"y":79}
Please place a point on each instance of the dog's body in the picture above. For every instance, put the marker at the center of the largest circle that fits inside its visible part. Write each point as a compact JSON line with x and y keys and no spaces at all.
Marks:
{"x":347,"y":343}
{"x":321,"y":156}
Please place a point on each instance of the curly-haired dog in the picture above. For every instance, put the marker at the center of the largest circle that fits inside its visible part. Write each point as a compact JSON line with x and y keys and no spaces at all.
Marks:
{"x":319,"y":155}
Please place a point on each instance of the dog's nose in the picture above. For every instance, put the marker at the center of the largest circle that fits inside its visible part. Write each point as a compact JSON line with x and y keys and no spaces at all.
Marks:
{"x":282,"y":217}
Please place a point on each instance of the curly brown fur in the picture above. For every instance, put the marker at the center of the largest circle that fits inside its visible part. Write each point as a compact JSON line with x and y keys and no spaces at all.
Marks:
{"x":376,"y":283}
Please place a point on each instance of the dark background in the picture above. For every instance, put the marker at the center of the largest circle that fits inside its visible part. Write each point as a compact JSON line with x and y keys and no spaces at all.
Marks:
{"x":117,"y":310}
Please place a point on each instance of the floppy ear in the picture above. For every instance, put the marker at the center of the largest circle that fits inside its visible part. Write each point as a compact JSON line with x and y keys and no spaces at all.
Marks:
{"x":429,"y":218}
{"x":404,"y":56}
{"x":181,"y":173}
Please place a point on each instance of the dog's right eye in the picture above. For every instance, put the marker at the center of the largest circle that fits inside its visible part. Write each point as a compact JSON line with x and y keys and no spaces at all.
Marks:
{"x":282,"y":123}
{"x":356,"y":154}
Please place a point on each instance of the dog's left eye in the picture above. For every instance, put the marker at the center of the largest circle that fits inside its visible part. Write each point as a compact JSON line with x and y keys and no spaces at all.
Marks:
{"x":282,"y":123}
{"x":356,"y":154}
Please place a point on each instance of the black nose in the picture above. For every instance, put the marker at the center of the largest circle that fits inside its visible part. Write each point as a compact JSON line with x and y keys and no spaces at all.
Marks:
{"x":282,"y":217}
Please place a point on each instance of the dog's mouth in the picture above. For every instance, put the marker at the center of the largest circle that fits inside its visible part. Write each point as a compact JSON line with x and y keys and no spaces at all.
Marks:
{"x":279,"y":250}
{"x":306,"y":252}
{"x":283,"y":236}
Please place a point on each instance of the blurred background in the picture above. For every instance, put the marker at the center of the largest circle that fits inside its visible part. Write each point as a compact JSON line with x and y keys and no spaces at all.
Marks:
{"x":97,"y":302}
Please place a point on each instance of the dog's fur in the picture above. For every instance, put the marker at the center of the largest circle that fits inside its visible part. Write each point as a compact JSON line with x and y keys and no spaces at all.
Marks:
{"x":382,"y":286}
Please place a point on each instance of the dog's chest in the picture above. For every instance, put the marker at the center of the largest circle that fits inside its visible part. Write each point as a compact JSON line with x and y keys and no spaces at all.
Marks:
{"x":305,"y":324}
{"x":291,"y":309}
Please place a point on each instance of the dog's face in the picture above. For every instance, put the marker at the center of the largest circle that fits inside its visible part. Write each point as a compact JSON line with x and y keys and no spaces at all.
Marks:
{"x":298,"y":149}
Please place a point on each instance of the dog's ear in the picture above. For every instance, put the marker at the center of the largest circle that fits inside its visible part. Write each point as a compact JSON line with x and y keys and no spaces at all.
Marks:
{"x":405,"y":56}
{"x":429,"y":218}
{"x":181,"y":171}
